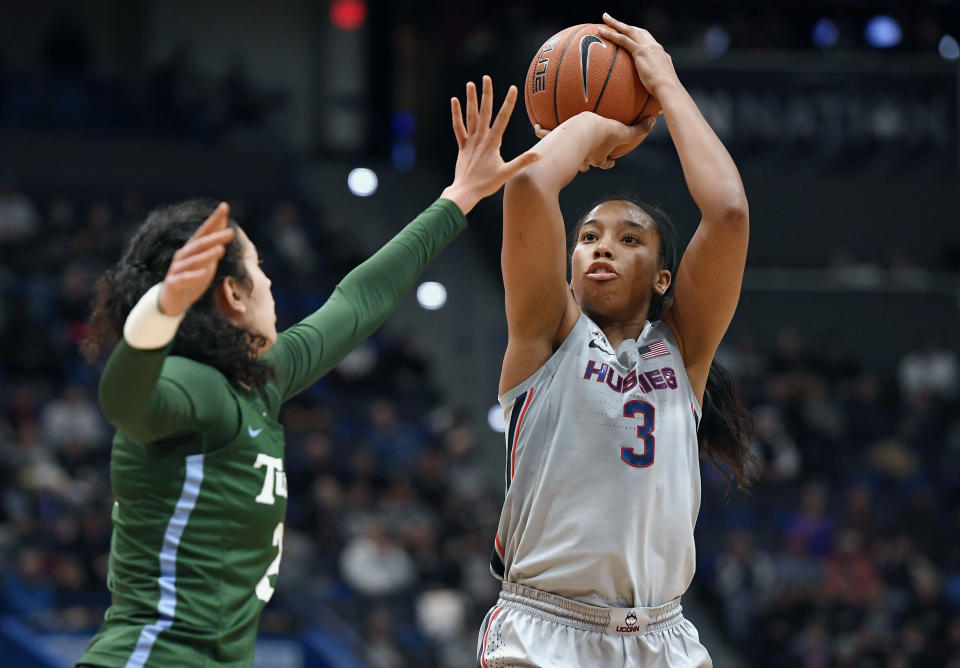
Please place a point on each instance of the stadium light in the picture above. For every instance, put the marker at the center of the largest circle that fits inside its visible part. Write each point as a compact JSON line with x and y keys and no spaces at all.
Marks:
{"x":495,"y":418}
{"x":948,"y":47}
{"x":883,"y":32}
{"x":348,"y":14}
{"x":825,"y":33}
{"x":716,"y":41}
{"x":431,"y":295}
{"x":362,"y":181}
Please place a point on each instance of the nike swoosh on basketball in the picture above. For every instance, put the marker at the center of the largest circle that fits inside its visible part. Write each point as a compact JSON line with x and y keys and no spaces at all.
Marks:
{"x":585,"y":43}
{"x":253,"y":432}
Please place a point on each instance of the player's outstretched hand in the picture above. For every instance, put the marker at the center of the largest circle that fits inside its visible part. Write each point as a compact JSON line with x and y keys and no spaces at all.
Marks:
{"x":654,"y":65}
{"x":195,"y":263}
{"x":480,"y":169}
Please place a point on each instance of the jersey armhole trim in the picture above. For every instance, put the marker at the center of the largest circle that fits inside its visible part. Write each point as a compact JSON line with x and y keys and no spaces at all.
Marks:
{"x":669,"y":334}
{"x":547,"y":367}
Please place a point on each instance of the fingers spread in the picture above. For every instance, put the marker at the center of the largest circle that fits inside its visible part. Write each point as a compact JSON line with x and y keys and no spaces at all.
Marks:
{"x":503,"y":117}
{"x":459,"y":130}
{"x":521,"y":161}
{"x":486,"y":102}
{"x":471,"y":107}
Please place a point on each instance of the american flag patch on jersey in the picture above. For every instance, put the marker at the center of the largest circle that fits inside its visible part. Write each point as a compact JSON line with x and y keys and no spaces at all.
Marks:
{"x":654,"y":349}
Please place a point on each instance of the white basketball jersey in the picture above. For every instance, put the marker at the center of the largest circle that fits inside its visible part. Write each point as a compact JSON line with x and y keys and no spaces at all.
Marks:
{"x":602,"y":472}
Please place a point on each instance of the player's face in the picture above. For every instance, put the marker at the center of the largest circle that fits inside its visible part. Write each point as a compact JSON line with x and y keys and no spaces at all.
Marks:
{"x":615,"y":266}
{"x":260,"y":314}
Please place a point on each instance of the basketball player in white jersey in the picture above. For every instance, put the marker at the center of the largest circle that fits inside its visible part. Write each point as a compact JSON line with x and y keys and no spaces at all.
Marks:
{"x":602,"y":386}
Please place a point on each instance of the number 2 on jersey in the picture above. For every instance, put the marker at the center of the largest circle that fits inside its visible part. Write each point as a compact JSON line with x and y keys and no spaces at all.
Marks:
{"x":645,"y":412}
{"x":264,"y":589}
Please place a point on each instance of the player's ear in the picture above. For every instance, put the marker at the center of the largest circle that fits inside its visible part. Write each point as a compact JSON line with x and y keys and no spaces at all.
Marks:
{"x":230,"y":298}
{"x":663,"y":282}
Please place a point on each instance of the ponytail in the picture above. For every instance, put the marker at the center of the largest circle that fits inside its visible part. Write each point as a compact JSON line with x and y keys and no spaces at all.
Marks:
{"x":726,"y":427}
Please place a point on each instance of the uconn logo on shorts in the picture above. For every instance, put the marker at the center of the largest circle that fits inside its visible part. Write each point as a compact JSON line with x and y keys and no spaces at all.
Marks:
{"x":630,"y":622}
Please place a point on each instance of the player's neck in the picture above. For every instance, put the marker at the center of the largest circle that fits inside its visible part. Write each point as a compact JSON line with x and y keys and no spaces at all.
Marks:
{"x":619,"y":330}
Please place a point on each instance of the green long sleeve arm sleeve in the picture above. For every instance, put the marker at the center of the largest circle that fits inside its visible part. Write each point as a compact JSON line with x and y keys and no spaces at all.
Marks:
{"x":362,"y":300}
{"x":149,"y":396}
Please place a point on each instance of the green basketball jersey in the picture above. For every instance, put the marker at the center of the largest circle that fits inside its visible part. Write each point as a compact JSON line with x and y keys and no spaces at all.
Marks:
{"x":198,"y":475}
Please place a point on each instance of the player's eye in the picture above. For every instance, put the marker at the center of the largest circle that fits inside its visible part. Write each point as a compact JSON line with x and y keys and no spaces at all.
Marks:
{"x":630,"y":239}
{"x":589,"y":236}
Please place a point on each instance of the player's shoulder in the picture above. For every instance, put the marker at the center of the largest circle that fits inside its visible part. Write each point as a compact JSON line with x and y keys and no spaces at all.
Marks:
{"x":663,"y":329}
{"x":192,"y":375}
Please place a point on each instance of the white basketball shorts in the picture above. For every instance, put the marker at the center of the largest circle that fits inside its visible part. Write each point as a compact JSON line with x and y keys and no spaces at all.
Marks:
{"x":529,"y":628}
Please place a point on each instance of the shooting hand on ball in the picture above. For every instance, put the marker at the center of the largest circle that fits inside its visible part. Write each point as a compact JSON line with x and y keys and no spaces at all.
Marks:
{"x":654,"y":65}
{"x":614,"y":140}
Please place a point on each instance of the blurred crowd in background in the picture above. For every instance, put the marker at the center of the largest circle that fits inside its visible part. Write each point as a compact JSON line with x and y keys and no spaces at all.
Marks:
{"x":69,"y":85}
{"x":846,"y":552}
{"x":173,"y":97}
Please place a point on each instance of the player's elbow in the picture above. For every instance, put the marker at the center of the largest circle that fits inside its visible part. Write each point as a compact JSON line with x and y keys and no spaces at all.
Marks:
{"x":524,"y":188}
{"x":733,"y":211}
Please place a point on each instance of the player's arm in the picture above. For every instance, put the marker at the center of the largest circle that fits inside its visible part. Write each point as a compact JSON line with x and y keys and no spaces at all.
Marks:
{"x":707,"y":284}
{"x":540,"y":309}
{"x":367,"y":295}
{"x":147,"y":403}
{"x":135,"y":396}
{"x":362,"y":300}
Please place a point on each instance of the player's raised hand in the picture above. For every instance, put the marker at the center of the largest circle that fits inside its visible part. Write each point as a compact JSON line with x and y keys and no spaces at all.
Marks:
{"x":615,"y":140}
{"x":194,"y":265}
{"x":654,"y":65}
{"x":480,"y":170}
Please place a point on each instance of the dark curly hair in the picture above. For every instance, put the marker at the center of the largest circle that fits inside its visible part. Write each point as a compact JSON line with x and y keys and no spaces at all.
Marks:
{"x":725,"y":427}
{"x":204,"y":335}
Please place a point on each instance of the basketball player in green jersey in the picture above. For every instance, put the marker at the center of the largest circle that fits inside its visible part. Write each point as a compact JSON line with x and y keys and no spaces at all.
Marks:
{"x":194,"y":389}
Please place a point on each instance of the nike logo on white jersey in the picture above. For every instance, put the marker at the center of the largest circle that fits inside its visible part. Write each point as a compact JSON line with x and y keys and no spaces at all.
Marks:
{"x":253,"y":432}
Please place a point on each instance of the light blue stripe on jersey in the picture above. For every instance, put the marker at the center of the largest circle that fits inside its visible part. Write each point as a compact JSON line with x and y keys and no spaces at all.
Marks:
{"x":168,"y":562}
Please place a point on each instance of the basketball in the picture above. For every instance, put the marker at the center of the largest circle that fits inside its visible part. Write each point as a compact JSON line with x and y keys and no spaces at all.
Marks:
{"x":577,"y":70}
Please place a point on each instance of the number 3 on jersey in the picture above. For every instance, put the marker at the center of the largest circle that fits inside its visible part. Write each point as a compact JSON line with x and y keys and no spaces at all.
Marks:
{"x":264,"y":589}
{"x":645,"y":412}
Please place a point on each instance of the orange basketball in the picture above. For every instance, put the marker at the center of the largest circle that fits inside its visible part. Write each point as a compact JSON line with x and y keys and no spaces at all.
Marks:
{"x":577,"y":70}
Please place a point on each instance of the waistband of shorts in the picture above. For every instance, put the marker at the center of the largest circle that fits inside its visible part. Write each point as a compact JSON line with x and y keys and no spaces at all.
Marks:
{"x":616,"y":621}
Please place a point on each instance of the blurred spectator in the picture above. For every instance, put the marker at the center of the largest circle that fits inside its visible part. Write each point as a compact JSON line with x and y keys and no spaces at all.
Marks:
{"x":850,"y":577}
{"x":376,"y":565}
{"x":74,"y":418}
{"x":290,"y":240}
{"x":392,"y":505}
{"x":395,"y":443}
{"x":745,"y":580}
{"x":382,"y":650}
{"x":778,"y":453}
{"x":930,"y":370}
{"x":27,"y":590}
{"x":811,"y":529}
{"x":19,"y":218}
